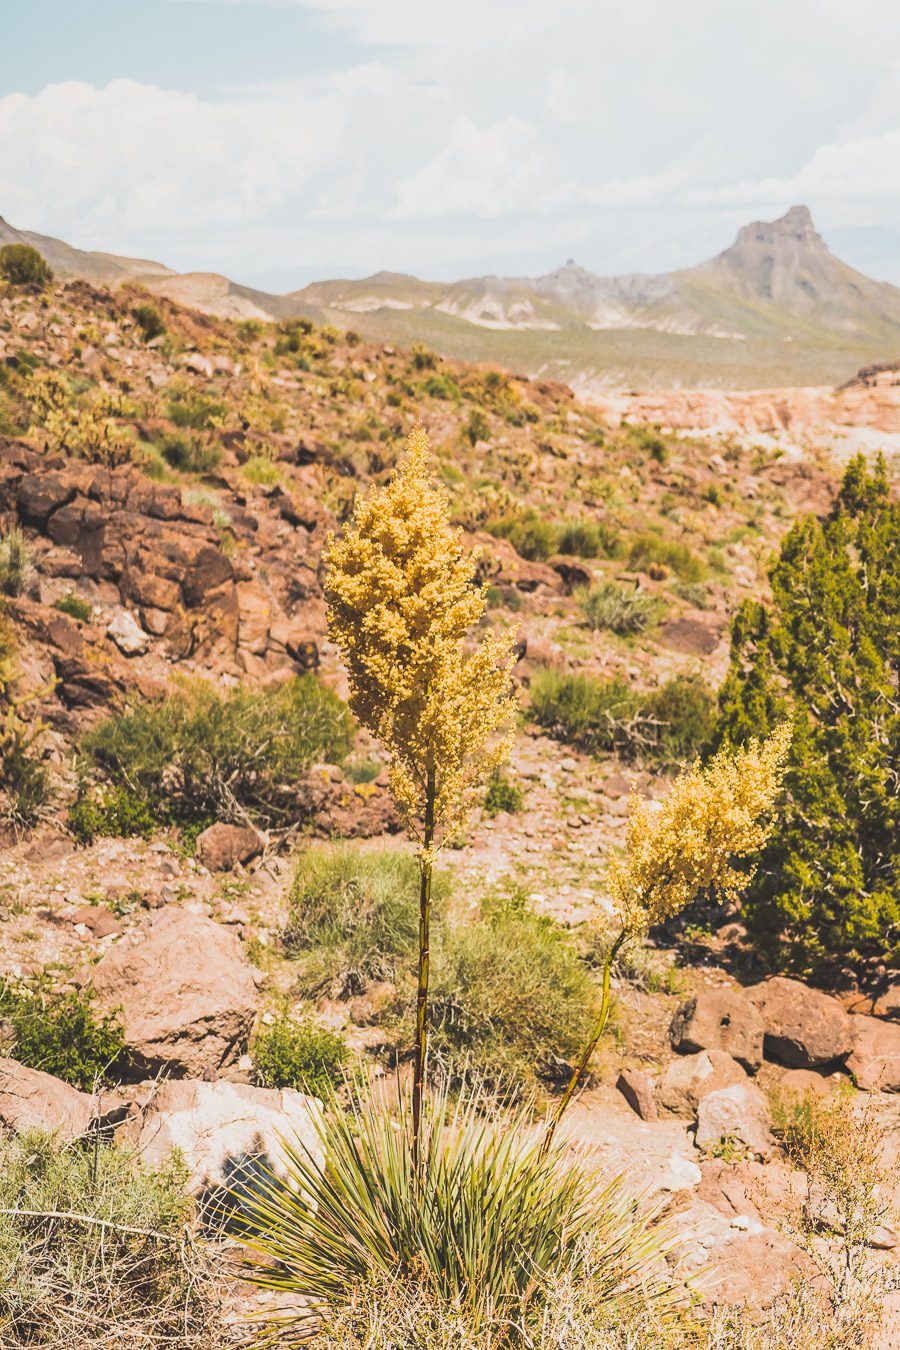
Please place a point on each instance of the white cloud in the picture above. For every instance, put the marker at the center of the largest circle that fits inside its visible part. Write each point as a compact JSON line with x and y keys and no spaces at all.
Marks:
{"x":481,"y":171}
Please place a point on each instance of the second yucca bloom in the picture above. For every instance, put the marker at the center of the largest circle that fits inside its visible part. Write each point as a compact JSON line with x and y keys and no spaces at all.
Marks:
{"x":402,"y":603}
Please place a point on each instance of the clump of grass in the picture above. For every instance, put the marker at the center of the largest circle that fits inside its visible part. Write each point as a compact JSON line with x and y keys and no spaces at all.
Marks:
{"x":665,"y":726}
{"x":95,"y":1251}
{"x":651,"y":550}
{"x":531,"y":535}
{"x":589,"y":539}
{"x":503,"y":794}
{"x":513,"y":1002}
{"x":75,"y":606}
{"x":299,"y":1054}
{"x":24,"y":777}
{"x":261,"y":471}
{"x":354,"y":916}
{"x":189,"y":408}
{"x":14,"y":563}
{"x":483,"y":1222}
{"x":59,"y":1032}
{"x":149,"y":320}
{"x":203,"y":753}
{"x":622,"y":611}
{"x":190,"y":455}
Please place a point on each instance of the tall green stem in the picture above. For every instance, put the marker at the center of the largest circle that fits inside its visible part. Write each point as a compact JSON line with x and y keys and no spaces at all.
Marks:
{"x":581,"y":1068}
{"x":424,"y":966}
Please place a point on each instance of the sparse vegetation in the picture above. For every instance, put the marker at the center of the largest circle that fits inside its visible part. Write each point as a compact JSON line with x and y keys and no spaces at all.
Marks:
{"x":22,"y":265}
{"x":503,"y":794}
{"x":652,"y":550}
{"x":14,"y":563}
{"x":59,"y":1031}
{"x":301,"y":1054}
{"x":613,"y":607}
{"x":75,"y":606}
{"x":532,"y":536}
{"x":354,"y":915}
{"x":149,"y":320}
{"x":227,"y":755}
{"x":588,"y":539}
{"x":190,"y":455}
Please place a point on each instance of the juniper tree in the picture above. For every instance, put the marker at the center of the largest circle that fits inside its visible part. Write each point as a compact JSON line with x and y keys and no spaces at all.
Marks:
{"x":827,"y":650}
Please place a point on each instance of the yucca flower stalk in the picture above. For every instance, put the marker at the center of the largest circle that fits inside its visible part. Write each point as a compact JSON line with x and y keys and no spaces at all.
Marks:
{"x":402,"y":602}
{"x":677,"y":849}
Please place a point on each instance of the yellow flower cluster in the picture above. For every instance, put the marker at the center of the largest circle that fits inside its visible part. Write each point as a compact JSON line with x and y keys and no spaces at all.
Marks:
{"x":402,"y":601}
{"x":686,"y":845}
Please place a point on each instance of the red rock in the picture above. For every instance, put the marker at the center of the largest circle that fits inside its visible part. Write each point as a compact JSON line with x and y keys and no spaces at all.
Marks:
{"x":804,"y":1028}
{"x":637,"y":1089}
{"x":31,"y":1100}
{"x":720,"y":1019}
{"x":875,"y":1058}
{"x":222,"y":847}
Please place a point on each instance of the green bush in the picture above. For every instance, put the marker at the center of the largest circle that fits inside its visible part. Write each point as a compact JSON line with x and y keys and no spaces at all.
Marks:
{"x":190,"y":456}
{"x":588,"y":539}
{"x":512,"y":1003}
{"x":650,"y":549}
{"x":94,"y":1252}
{"x":116,"y":811}
{"x":75,"y":606}
{"x":149,"y":320}
{"x":503,"y":795}
{"x":612,"y":606}
{"x":203,"y":753}
{"x":354,"y":916}
{"x":477,"y":428}
{"x":301,"y":1055}
{"x":24,"y":266}
{"x":188,"y":408}
{"x":826,"y":892}
{"x":261,"y":471}
{"x":531,"y":535}
{"x":483,"y":1224}
{"x":59,"y":1032}
{"x":423,"y":359}
{"x":14,"y":563}
{"x":666,"y":726}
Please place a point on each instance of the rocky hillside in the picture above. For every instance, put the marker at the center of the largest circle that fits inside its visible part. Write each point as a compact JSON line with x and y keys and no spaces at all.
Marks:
{"x":776,"y":308}
{"x":173,"y":478}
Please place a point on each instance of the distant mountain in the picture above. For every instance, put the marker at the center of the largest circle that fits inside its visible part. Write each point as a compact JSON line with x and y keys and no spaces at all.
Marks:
{"x":776,"y":308}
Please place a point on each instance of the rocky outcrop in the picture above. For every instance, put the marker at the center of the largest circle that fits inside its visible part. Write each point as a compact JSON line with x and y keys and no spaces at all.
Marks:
{"x":804,"y":1028}
{"x":223,"y":847}
{"x":335,"y":806}
{"x":875,"y":1058}
{"x":31,"y":1100}
{"x":187,"y":995}
{"x":720,"y":1019}
{"x":687,"y":1080}
{"x":224,"y":1132}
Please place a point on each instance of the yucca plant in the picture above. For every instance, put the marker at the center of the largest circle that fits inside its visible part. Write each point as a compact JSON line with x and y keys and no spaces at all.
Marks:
{"x":482,"y":1224}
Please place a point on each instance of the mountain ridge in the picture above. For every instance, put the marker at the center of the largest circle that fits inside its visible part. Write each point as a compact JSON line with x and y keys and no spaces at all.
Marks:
{"x":774,"y":307}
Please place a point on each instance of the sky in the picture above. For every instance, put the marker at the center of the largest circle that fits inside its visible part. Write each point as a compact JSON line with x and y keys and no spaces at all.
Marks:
{"x":279,"y":141}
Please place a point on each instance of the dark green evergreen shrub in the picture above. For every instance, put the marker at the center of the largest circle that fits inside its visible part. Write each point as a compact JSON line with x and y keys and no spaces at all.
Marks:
{"x":24,"y":266}
{"x":827,"y":652}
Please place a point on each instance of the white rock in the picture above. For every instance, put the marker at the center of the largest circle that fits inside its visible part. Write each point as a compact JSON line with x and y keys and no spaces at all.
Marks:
{"x":128,"y":635}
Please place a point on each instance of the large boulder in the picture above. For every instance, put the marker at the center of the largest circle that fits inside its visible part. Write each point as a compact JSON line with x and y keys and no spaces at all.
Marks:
{"x":687,"y":1080}
{"x":804,"y":1028}
{"x":637,"y":1089}
{"x":739,"y":1261}
{"x":224,"y":1131}
{"x":187,"y":995}
{"x":720,"y":1019}
{"x":32,"y":1100}
{"x":222,"y":847}
{"x":738,"y":1116}
{"x":875,"y":1058}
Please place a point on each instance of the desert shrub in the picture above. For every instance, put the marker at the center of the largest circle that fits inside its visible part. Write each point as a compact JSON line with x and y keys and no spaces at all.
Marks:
{"x":24,"y":266}
{"x":484,"y":1223}
{"x":59,"y":1032}
{"x":503,"y":795}
{"x":90,"y":429}
{"x":441,"y":386}
{"x":422,"y":358}
{"x":299,"y":1054}
{"x":612,"y":606}
{"x":95,"y":1252}
{"x":261,"y":471}
{"x":530,"y":534}
{"x":666,"y":726}
{"x":648,"y":438}
{"x":24,"y":778}
{"x":826,"y":650}
{"x":190,"y":455}
{"x":650,"y":549}
{"x":75,"y":606}
{"x":14,"y":563}
{"x":149,"y":320}
{"x":588,"y":539}
{"x":513,"y":1002}
{"x":190,"y":409}
{"x":477,"y":427}
{"x":118,"y":811}
{"x":354,"y":916}
{"x":8,"y":648}
{"x":202,"y":752}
